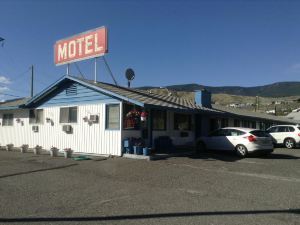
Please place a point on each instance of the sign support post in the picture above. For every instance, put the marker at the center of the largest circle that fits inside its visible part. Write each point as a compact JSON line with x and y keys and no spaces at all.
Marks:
{"x":95,"y":79}
{"x":68,"y":69}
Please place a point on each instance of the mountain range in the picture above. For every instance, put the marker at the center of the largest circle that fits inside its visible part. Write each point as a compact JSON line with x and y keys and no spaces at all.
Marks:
{"x":279,"y":89}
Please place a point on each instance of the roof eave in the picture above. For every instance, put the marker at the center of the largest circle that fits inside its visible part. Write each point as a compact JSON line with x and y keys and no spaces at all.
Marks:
{"x":53,"y":87}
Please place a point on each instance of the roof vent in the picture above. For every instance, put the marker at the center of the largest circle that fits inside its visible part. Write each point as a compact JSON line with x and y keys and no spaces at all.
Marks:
{"x":72,"y":90}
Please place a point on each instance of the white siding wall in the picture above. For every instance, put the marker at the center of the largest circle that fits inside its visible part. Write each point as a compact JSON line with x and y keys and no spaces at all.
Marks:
{"x":85,"y":138}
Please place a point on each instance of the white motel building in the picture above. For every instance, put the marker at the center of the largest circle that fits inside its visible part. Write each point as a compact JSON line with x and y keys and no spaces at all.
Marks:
{"x":94,"y":117}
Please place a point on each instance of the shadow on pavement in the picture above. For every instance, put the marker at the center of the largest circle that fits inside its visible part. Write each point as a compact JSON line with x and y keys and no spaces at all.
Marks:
{"x":38,"y":170}
{"x":228,"y":156}
{"x":279,"y":156}
{"x":146,"y":216}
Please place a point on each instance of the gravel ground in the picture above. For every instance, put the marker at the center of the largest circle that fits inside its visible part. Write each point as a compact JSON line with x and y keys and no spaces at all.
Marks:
{"x":212,"y":188}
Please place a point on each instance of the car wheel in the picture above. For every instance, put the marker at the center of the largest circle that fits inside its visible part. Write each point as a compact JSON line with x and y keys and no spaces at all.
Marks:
{"x":200,"y":147}
{"x":241,"y":150}
{"x":289,"y":143}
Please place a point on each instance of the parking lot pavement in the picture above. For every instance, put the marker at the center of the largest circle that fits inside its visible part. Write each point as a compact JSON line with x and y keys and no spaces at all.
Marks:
{"x":211,"y":188}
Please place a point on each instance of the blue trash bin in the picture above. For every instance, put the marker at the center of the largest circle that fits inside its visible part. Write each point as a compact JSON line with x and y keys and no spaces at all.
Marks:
{"x":146,"y":151}
{"x":138,"y":150}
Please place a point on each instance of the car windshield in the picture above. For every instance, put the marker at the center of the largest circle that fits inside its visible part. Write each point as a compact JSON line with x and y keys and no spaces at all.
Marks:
{"x":259,"y":133}
{"x":298,"y":128}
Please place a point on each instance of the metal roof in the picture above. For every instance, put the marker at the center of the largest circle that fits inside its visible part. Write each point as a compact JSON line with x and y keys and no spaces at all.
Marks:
{"x":150,"y":99}
{"x":13,"y":103}
{"x":135,"y":96}
{"x":254,"y":115}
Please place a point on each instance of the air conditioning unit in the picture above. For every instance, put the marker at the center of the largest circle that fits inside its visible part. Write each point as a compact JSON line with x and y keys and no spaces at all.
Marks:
{"x":35,"y":128}
{"x":94,"y":118}
{"x":67,"y":128}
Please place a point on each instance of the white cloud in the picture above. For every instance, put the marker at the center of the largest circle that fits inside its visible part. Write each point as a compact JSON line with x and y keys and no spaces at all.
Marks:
{"x":4,"y":80}
{"x":294,"y":68}
{"x":2,"y":89}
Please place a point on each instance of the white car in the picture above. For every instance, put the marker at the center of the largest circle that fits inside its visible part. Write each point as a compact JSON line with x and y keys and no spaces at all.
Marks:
{"x":288,"y":135}
{"x":241,"y":140}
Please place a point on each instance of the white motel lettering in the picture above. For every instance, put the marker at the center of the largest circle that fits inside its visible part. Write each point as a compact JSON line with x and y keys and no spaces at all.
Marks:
{"x":82,"y":46}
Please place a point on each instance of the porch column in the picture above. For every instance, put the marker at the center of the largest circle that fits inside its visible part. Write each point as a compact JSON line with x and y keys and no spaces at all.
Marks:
{"x":150,"y":130}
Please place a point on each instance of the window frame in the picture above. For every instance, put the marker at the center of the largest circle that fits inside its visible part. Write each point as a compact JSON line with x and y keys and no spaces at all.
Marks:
{"x":35,"y":122}
{"x":126,"y":108}
{"x":69,"y":115}
{"x":107,"y":114}
{"x":4,"y":119}
{"x":164,"y":118}
{"x":176,"y":120}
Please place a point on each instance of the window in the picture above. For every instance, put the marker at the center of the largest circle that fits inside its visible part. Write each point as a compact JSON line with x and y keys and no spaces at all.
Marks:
{"x":234,"y":132}
{"x":217,"y":133}
{"x":246,"y":123}
{"x":215,"y":124}
{"x":272,"y":130}
{"x":262,"y":126}
{"x":283,"y":129}
{"x":224,"y":123}
{"x":131,"y":117}
{"x":112,"y":117}
{"x":253,"y":124}
{"x":68,"y":115}
{"x":237,"y":123}
{"x":159,"y":120}
{"x":259,"y":133}
{"x":8,"y":119}
{"x":36,"y":116}
{"x":182,"y":121}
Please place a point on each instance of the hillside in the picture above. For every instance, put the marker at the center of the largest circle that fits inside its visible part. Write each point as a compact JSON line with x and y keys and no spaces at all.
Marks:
{"x":283,"y":105}
{"x":280,"y":89}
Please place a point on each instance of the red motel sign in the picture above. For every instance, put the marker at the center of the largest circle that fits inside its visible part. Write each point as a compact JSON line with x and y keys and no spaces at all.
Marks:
{"x":89,"y":44}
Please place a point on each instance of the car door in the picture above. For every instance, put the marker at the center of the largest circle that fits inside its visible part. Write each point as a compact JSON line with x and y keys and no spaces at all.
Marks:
{"x":273,"y":133}
{"x":281,"y":134}
{"x":213,"y":139}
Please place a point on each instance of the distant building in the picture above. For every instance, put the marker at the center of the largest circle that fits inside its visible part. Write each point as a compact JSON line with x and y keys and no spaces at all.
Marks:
{"x":294,"y":115}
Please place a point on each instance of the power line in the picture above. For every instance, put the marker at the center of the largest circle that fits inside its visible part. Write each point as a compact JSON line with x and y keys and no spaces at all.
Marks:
{"x":19,"y":76}
{"x":109,"y":70}
{"x":79,"y":70}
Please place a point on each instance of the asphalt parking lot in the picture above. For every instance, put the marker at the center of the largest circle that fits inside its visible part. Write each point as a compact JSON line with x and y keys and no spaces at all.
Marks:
{"x":212,"y":188}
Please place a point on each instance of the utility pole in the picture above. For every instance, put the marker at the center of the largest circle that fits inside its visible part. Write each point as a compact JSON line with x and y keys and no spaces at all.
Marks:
{"x":31,"y":82}
{"x":257,"y":104}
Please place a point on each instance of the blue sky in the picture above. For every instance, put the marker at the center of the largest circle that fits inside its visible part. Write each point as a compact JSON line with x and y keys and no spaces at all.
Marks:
{"x":243,"y":43}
